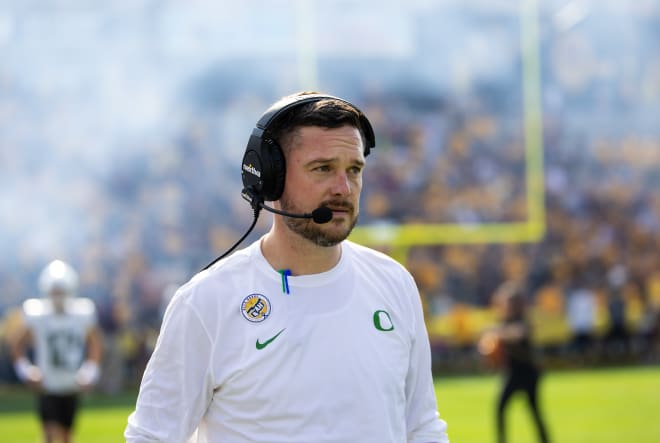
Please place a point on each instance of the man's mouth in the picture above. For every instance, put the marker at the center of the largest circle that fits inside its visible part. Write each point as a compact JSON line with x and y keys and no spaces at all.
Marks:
{"x":340,"y":208}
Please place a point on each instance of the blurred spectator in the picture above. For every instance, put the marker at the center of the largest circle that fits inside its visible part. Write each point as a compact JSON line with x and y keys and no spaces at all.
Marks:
{"x":616,"y":342}
{"x":581,"y":312}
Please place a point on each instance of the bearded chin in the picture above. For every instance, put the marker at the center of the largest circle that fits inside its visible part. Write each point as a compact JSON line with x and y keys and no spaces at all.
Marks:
{"x":314,"y":232}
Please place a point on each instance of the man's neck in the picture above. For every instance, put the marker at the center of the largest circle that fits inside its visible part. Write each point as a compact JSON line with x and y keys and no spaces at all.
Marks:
{"x":301,"y":256}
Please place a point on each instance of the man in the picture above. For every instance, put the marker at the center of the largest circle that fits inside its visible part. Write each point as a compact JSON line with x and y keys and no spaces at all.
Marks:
{"x":521,"y":372}
{"x":303,"y":336}
{"x":67,"y":347}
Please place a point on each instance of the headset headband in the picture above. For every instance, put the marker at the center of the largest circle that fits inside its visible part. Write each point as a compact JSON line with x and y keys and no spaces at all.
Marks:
{"x":280,"y":108}
{"x":264,"y":167}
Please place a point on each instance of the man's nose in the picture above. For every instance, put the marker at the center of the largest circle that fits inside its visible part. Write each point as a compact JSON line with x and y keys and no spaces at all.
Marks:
{"x":341,"y":184}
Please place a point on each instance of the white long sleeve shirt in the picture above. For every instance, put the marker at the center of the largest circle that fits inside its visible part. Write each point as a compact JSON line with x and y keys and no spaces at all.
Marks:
{"x":343,"y":357}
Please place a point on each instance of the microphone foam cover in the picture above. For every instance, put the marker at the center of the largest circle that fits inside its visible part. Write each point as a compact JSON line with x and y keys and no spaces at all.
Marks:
{"x":322,"y":215}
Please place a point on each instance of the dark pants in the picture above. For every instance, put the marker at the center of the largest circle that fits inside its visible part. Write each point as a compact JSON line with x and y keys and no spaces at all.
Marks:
{"x":60,"y":409}
{"x":520,"y":378}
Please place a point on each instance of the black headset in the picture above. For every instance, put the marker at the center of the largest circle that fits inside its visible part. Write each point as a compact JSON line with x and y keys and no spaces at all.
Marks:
{"x":264,"y":167}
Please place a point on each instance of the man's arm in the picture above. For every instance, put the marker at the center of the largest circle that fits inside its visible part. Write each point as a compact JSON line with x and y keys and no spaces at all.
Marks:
{"x":25,"y":371}
{"x":90,"y":371}
{"x":176,"y":388}
{"x":423,"y":420}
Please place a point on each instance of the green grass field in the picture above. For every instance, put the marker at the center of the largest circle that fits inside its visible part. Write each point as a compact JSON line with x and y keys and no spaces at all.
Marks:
{"x":604,"y":406}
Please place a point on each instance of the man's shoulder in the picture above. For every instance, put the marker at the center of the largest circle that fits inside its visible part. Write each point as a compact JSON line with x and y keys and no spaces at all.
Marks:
{"x":236,"y":261}
{"x":209,"y":284}
{"x":81,"y":306}
{"x":374,"y":257}
{"x":37,"y":307}
{"x":37,"y":310}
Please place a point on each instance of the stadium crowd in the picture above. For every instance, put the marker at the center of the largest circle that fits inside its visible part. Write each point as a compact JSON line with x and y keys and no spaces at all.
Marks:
{"x":148,"y":219}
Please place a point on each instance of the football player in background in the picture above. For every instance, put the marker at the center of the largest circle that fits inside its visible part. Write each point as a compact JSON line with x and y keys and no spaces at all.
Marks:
{"x":61,"y":329}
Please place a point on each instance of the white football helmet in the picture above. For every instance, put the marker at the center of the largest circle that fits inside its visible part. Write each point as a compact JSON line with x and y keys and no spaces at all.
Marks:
{"x":58,"y":277}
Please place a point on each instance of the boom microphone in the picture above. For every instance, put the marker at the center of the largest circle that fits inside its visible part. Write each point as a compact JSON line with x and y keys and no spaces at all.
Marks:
{"x":320,"y":215}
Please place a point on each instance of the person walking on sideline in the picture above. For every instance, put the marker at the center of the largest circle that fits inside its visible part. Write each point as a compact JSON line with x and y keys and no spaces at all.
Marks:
{"x":521,"y":372}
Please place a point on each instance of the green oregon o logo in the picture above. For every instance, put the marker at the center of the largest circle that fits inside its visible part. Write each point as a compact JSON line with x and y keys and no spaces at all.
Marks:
{"x":383,"y":321}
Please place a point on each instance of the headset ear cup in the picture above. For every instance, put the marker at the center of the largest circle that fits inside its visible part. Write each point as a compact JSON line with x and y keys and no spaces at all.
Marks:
{"x":274,"y":172}
{"x":264,"y":165}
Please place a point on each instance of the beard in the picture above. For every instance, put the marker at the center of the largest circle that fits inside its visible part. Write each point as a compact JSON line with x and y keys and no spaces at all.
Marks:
{"x":314,"y":232}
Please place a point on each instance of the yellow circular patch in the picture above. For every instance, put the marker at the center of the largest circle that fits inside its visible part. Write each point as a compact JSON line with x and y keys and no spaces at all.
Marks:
{"x":255,"y":308}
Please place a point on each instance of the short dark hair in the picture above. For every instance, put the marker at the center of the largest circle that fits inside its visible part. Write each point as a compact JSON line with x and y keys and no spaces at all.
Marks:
{"x":326,"y":113}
